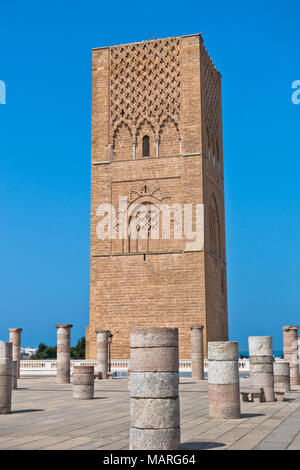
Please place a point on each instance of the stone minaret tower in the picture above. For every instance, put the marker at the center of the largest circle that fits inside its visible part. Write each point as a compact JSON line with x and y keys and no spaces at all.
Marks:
{"x":157,"y":139}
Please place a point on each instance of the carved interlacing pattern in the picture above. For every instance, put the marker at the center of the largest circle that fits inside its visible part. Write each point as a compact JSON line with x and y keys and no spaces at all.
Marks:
{"x":212,"y":108}
{"x":143,"y":190}
{"x":145,"y":85}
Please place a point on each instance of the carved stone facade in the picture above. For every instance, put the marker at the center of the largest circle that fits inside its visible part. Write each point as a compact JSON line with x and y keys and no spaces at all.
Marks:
{"x":145,"y":88}
{"x":157,"y":146}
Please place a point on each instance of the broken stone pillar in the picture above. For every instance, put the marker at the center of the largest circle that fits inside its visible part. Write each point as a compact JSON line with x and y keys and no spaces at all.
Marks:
{"x":5,"y":377}
{"x":83,"y":382}
{"x":299,"y":355}
{"x":14,"y":377}
{"x":102,"y":353}
{"x":63,"y":353}
{"x":261,"y":365}
{"x":15,"y":339}
{"x":223,"y":380}
{"x":282,"y":375}
{"x":154,"y":400}
{"x":290,"y":350}
{"x":197,"y":352}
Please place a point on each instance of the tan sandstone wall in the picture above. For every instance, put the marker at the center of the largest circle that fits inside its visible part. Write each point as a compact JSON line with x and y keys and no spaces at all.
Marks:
{"x":169,"y":90}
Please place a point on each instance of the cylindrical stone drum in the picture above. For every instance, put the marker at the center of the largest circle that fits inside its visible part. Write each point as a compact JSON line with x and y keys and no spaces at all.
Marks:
{"x":223,"y":380}
{"x":299,"y":355}
{"x":83,"y":382}
{"x":290,"y":349}
{"x":5,"y":377}
{"x":282,"y":375}
{"x":154,"y":400}
{"x":63,"y":353}
{"x":14,"y":375}
{"x":128,"y":374}
{"x":197,"y":352}
{"x":15,"y":339}
{"x":102,"y":353}
{"x":261,"y":365}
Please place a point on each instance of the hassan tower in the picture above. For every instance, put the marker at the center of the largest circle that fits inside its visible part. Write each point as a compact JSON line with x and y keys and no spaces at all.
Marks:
{"x":156,"y":150}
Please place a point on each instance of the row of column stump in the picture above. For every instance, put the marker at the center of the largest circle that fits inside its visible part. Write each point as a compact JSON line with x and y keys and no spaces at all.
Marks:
{"x":83,"y":376}
{"x":154,"y":377}
{"x":63,"y":353}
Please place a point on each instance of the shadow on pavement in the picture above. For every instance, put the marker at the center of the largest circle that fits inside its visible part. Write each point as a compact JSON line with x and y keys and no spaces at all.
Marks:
{"x":201,"y":445}
{"x":26,"y":411}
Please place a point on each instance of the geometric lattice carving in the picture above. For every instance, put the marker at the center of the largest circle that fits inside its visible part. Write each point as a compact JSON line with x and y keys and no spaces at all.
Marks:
{"x":212,"y":101}
{"x":145,"y":85}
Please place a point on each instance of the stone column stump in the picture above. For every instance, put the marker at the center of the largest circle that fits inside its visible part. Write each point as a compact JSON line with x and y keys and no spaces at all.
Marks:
{"x":290,"y":350}
{"x":14,"y":375}
{"x":261,"y":365}
{"x":15,"y":339}
{"x":223,"y":380}
{"x":6,"y":351}
{"x":83,"y":382}
{"x":102,"y":353}
{"x":154,"y":400}
{"x":282,"y":375}
{"x":197,"y":355}
{"x":63,"y":353}
{"x":299,"y":355}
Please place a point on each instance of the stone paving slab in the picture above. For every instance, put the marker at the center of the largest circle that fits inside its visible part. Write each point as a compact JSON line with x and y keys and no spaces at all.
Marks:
{"x":46,"y":417}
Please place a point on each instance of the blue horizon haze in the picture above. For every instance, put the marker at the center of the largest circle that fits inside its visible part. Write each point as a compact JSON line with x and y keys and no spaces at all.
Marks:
{"x":45,"y":148}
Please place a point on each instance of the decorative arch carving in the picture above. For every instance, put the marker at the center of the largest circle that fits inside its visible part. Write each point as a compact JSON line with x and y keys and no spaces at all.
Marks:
{"x":122,"y":142}
{"x":169,"y":138}
{"x":148,"y":199}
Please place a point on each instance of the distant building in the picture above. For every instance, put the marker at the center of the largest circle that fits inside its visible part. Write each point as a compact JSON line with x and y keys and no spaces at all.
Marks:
{"x":26,"y":353}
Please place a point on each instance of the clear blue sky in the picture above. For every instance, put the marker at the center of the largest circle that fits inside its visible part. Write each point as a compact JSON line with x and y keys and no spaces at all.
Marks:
{"x":45,"y":61}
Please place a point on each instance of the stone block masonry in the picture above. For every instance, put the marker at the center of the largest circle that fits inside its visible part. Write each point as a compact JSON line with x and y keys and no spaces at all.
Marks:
{"x":63,"y":353}
{"x":282,"y":375}
{"x":223,"y":380}
{"x":102,"y":354}
{"x":261,"y":365}
{"x":154,"y":401}
{"x":83,"y":382}
{"x":15,"y":339}
{"x":197,"y":352}
{"x":290,"y":350}
{"x":6,"y":351}
{"x":14,"y":375}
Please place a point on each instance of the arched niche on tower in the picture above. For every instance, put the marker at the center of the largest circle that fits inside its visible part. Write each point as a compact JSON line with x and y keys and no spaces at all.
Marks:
{"x":169,"y":139}
{"x":214,"y":228}
{"x":122,"y":143}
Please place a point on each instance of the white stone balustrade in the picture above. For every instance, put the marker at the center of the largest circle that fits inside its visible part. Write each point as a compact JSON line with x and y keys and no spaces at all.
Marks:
{"x":48,"y":366}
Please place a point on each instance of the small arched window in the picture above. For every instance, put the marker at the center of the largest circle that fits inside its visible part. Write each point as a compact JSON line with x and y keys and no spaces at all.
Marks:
{"x":146,"y":146}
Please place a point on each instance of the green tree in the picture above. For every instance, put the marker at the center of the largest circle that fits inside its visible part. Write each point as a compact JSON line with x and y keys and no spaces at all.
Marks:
{"x":45,"y":352}
{"x":50,"y":352}
{"x":78,"y":352}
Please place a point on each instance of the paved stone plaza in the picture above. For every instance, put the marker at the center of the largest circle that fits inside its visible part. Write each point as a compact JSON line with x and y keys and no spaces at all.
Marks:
{"x":45,"y":417}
